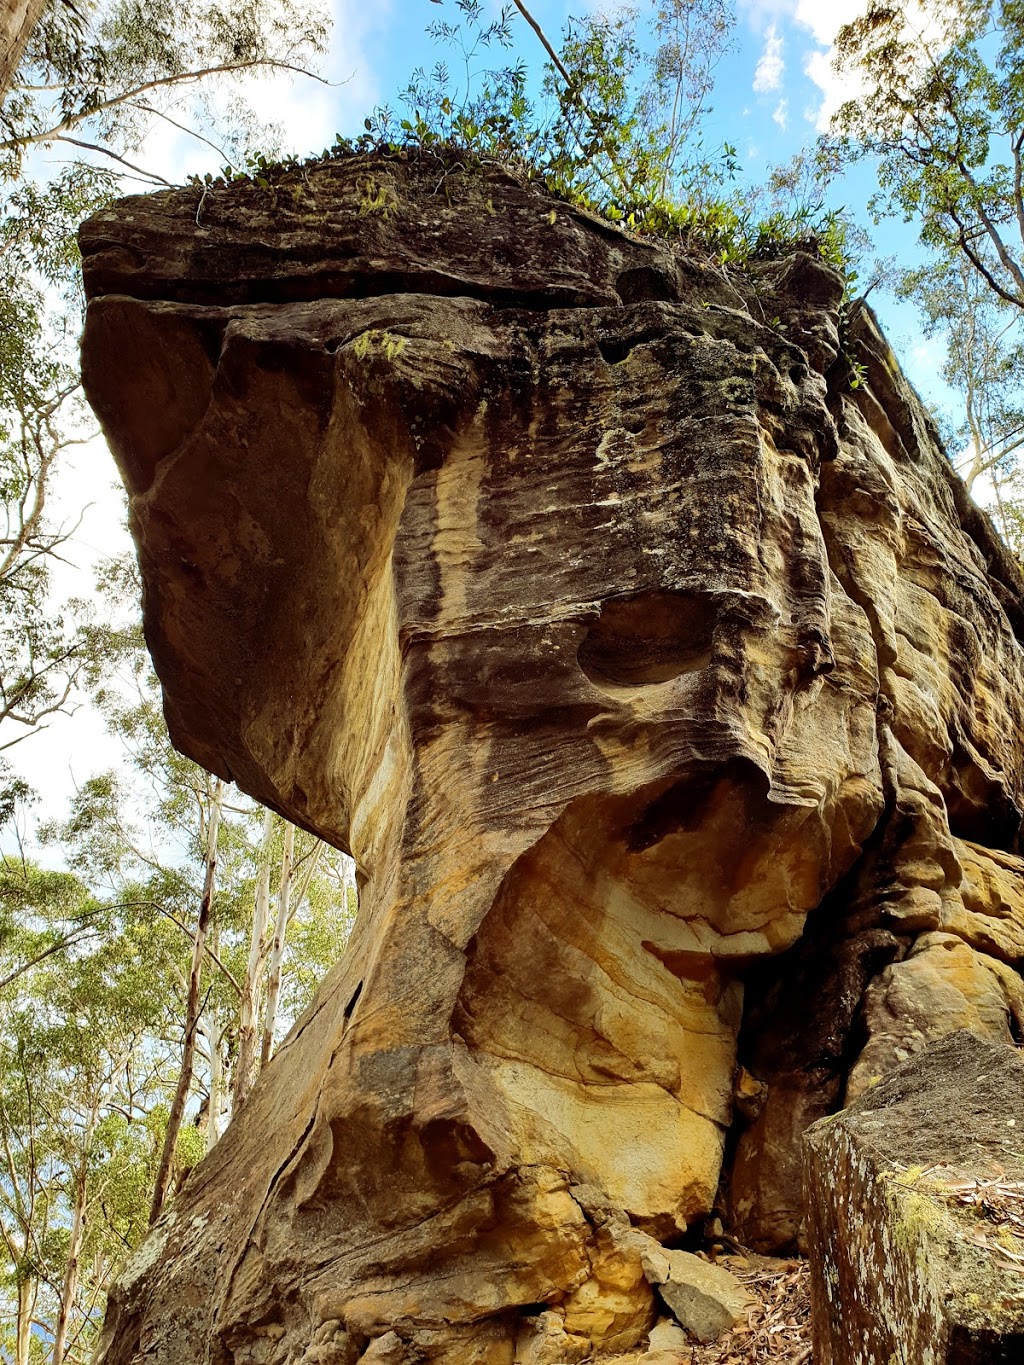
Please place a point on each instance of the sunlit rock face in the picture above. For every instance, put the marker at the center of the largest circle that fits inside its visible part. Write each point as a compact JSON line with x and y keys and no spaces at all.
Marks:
{"x":664,"y":689}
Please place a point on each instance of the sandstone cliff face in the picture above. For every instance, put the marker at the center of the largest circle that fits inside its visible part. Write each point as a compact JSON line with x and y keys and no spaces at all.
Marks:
{"x":665,"y":691}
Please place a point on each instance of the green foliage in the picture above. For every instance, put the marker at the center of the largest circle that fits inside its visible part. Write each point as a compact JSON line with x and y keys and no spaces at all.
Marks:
{"x":85,"y":1004}
{"x":613,"y":125}
{"x":942,"y":115}
{"x":95,"y":959}
{"x":94,"y":81}
{"x":107,"y":73}
{"x":317,"y":938}
{"x":94,"y":967}
{"x":614,"y":128}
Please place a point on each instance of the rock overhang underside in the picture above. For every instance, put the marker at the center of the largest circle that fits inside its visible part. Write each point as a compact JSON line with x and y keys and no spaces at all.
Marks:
{"x":665,"y":690}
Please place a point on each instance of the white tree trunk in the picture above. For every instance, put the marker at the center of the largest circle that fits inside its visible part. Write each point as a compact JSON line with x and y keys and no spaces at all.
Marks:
{"x":28,"y":1289}
{"x":215,"y":1041}
{"x":277,"y":952}
{"x":17,"y":20}
{"x":163,"y":1178}
{"x":70,"y":1287}
{"x":247,"y":1067}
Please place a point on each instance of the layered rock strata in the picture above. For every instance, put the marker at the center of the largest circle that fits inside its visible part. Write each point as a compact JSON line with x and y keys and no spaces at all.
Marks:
{"x":665,"y":690}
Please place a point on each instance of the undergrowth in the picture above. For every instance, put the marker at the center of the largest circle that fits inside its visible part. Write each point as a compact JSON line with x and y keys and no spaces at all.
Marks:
{"x":717,"y":229}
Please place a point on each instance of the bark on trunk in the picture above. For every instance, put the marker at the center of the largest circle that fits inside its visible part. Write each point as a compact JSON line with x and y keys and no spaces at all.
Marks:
{"x":27,"y":1291}
{"x":163,"y":1178}
{"x":215,"y":1039}
{"x":246,"y":1068}
{"x":277,"y":953}
{"x":70,"y":1287}
{"x":17,"y":20}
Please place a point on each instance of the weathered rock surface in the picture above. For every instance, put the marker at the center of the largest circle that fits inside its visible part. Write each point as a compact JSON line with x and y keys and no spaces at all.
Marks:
{"x":705,"y":1299}
{"x":665,"y":691}
{"x":905,"y":1265}
{"x":666,"y":1336}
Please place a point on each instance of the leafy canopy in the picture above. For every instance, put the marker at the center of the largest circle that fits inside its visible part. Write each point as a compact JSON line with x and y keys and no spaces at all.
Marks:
{"x":942,"y":114}
{"x":613,"y":121}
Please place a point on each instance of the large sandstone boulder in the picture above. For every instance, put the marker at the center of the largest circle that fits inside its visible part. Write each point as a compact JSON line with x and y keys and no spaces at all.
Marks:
{"x":665,"y":690}
{"x":915,"y":1199}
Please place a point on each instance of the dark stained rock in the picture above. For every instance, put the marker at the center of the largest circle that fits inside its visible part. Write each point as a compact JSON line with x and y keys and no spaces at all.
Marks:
{"x":912,"y":1255}
{"x":560,"y":579}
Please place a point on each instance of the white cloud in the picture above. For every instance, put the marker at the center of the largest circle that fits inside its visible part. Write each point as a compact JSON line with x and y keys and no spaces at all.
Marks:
{"x":310,"y":113}
{"x":929,"y":354}
{"x":780,"y":114}
{"x":770,"y":67}
{"x":824,"y":20}
{"x":760,"y":13}
{"x":836,"y":86}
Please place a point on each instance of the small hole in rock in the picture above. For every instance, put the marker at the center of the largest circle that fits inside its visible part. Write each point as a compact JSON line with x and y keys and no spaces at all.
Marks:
{"x":614,"y":349}
{"x":650,"y":638}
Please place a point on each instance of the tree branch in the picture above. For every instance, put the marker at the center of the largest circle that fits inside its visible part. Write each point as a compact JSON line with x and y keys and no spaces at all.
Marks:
{"x":58,"y":130}
{"x":574,"y":92}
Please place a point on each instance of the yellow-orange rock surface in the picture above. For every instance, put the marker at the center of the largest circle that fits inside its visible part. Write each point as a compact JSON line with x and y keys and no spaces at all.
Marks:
{"x":665,"y":690}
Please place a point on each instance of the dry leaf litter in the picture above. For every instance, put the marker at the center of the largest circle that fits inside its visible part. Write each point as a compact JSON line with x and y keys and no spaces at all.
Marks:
{"x":778,"y":1328}
{"x":997,"y":1206}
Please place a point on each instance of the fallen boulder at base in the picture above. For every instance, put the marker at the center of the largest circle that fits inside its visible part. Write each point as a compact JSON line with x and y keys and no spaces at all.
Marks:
{"x":706,"y":1300}
{"x":915,"y":1214}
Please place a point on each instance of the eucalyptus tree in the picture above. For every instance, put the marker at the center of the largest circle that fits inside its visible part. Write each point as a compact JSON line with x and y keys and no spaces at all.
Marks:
{"x":17,"y":20}
{"x":84,"y":1066}
{"x":984,"y":364}
{"x":105,"y":1114}
{"x":940,"y":112}
{"x":92,"y":85}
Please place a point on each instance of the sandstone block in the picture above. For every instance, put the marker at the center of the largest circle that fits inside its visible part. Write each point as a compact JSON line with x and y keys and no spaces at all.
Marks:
{"x":705,"y":1299}
{"x":942,"y":985}
{"x":666,"y":1336}
{"x":543,"y":1340}
{"x":389,"y":1349}
{"x":914,"y":1202}
{"x":664,"y":690}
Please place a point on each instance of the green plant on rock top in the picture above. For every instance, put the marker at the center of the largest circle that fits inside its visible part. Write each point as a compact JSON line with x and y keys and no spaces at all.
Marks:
{"x":386,"y":343}
{"x":612,"y":125}
{"x":377,"y":198}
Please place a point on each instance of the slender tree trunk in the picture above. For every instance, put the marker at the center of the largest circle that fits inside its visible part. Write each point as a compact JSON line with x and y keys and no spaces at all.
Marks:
{"x":246,"y":1067}
{"x":977,"y":443}
{"x":28,"y":1290}
{"x":349,"y":883}
{"x":215,"y":1039}
{"x":277,"y":952}
{"x":17,"y":20}
{"x":163,"y":1177}
{"x":70,"y":1288}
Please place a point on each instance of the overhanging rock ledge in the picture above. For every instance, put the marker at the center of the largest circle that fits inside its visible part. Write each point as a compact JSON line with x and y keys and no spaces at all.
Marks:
{"x":665,"y":691}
